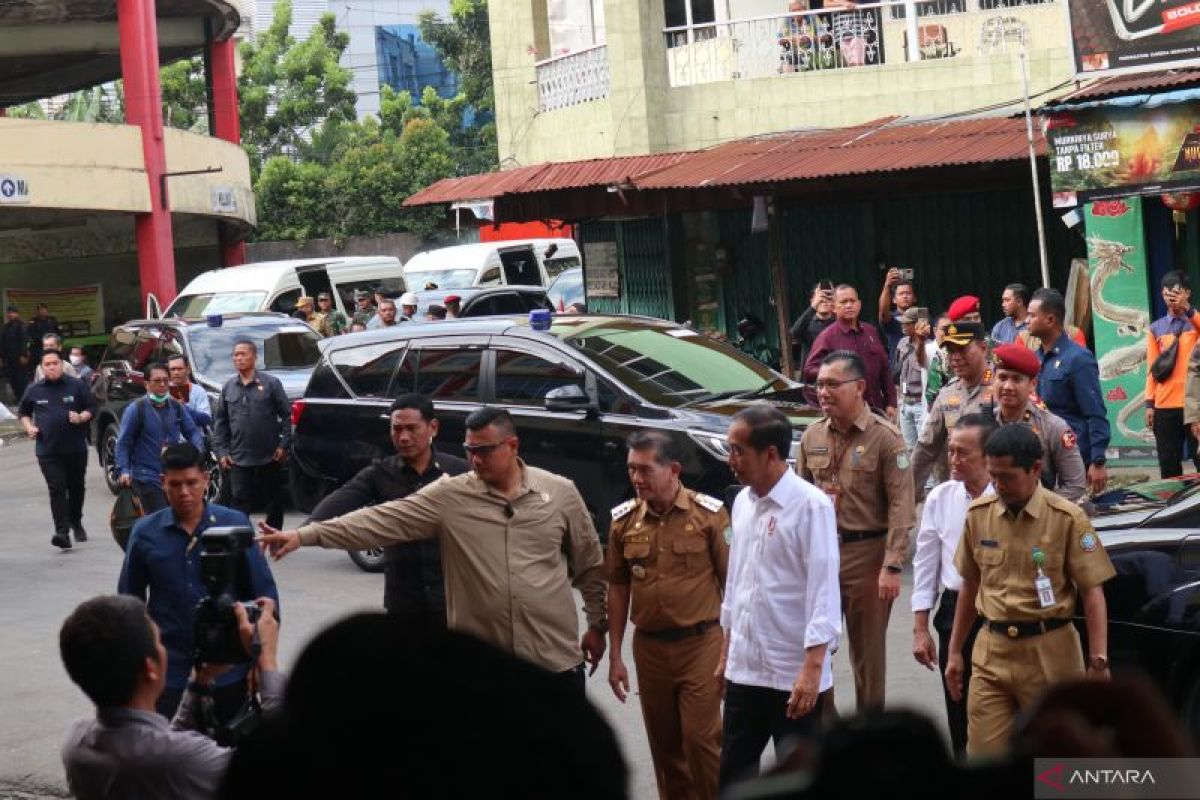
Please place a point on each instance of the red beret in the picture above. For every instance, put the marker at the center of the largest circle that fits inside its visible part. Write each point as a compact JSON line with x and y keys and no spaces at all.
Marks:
{"x":967,"y":304}
{"x":1018,"y":358}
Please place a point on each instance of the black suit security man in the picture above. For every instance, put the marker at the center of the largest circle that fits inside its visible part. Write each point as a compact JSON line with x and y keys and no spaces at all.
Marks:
{"x":413,"y":584}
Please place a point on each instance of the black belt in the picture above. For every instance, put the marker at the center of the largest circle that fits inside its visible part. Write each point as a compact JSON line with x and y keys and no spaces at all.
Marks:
{"x":675,"y":634}
{"x":850,"y":537}
{"x":1019,"y":630}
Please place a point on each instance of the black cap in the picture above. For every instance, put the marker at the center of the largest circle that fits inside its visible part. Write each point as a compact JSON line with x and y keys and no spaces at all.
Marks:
{"x":963,"y":333}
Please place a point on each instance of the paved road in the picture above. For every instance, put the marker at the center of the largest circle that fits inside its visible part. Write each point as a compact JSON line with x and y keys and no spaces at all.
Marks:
{"x":39,"y":586}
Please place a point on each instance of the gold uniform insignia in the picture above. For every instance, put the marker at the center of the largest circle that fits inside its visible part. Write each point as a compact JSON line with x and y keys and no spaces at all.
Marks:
{"x":623,"y":509}
{"x":707,"y":501}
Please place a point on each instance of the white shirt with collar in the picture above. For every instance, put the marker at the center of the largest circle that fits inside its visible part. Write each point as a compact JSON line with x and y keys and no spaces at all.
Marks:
{"x":937,"y":540}
{"x":781,"y":594}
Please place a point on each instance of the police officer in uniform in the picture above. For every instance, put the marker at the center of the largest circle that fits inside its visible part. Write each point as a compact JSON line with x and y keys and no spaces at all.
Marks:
{"x":1017,"y":370}
{"x":860,"y":460}
{"x":1026,"y":556}
{"x":667,"y":552}
{"x":970,"y":392}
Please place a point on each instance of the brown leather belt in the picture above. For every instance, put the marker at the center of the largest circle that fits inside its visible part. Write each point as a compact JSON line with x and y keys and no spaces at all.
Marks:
{"x":675,"y":634}
{"x":1019,"y":630}
{"x":850,"y":537}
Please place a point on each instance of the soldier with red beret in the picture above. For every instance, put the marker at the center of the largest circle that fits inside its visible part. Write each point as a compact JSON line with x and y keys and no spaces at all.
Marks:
{"x":1015,"y":379}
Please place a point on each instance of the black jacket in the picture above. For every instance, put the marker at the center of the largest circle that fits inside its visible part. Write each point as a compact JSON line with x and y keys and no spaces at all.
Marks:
{"x":14,"y":341}
{"x":37,"y":328}
{"x":413,"y":583}
{"x":805,"y":330}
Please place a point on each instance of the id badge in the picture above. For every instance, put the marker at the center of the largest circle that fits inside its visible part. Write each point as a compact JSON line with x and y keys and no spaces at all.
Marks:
{"x":1045,"y":591}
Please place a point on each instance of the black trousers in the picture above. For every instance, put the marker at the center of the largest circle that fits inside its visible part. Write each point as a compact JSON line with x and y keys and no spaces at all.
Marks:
{"x":151,"y":496}
{"x":956,"y":712}
{"x":259,"y":486}
{"x":18,"y":379}
{"x":755,"y":715}
{"x":64,"y":473}
{"x":574,"y":679}
{"x":1169,"y":435}
{"x":227,"y":700}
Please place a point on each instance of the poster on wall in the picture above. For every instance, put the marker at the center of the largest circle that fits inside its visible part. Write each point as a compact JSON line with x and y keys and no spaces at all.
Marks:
{"x":78,"y":309}
{"x":1120,"y":319}
{"x":1118,"y":37}
{"x":601,"y":269}
{"x":1107,"y":152}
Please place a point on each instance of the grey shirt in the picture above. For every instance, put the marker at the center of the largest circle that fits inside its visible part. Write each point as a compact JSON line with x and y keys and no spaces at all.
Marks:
{"x":912,"y":387}
{"x":252,"y":420}
{"x":123,"y":753}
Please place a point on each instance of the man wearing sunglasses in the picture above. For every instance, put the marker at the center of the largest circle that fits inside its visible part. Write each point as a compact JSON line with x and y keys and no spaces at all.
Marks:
{"x":514,"y":538}
{"x":413,"y":585}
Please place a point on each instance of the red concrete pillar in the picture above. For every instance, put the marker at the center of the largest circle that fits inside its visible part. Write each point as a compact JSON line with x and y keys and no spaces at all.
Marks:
{"x":138,"y":31}
{"x":223,"y":62}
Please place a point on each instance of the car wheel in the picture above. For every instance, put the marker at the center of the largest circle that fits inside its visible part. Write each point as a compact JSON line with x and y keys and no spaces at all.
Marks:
{"x":108,"y":457}
{"x":368,"y":560}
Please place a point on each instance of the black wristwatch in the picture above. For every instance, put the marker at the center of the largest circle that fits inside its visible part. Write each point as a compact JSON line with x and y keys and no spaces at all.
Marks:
{"x":1099,"y":462}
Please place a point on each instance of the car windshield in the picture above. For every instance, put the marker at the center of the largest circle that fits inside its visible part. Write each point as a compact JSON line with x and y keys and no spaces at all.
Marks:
{"x":566,"y":289}
{"x":671,"y":366}
{"x":279,"y":348}
{"x":444,"y":278}
{"x":191,"y":306}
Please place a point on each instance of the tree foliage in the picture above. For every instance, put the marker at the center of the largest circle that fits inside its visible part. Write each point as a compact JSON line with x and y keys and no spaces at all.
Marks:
{"x":465,"y":45}
{"x":185,"y":95}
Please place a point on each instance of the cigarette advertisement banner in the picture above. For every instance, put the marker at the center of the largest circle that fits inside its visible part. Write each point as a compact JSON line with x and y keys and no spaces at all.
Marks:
{"x":1105,"y":153}
{"x":78,"y":309}
{"x":1115,"y":37}
{"x":1120,"y":299}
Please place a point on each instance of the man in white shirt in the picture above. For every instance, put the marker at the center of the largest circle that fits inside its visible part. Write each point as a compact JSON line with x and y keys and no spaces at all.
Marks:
{"x":781,"y":613}
{"x":933,"y":562}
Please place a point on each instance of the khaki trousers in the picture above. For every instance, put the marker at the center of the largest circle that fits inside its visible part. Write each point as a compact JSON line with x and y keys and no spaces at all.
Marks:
{"x":1008,"y":675}
{"x":866,"y":619}
{"x":681,"y":706}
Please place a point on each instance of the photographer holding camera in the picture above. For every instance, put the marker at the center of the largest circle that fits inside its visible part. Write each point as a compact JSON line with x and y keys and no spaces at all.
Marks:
{"x":194,"y":560}
{"x":114,"y":651}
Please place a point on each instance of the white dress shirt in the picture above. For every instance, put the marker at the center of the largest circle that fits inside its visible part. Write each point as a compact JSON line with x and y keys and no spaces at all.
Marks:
{"x":937,"y":540}
{"x":781,"y":594}
{"x":198,"y":400}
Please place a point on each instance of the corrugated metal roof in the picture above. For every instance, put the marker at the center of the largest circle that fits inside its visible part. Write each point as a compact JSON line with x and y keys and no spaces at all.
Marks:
{"x":884,"y":145}
{"x":1131,"y":84}
{"x":543,"y":178}
{"x":880,"y":146}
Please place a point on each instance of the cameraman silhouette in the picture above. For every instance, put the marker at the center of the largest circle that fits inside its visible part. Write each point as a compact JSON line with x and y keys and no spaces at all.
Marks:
{"x":114,"y":651}
{"x":163,"y":566}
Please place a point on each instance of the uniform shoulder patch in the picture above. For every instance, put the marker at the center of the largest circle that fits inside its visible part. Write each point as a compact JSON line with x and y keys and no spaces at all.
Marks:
{"x":1069,"y":440}
{"x":623,"y":509}
{"x":708,"y":501}
{"x":902,"y":461}
{"x":1089,"y":542}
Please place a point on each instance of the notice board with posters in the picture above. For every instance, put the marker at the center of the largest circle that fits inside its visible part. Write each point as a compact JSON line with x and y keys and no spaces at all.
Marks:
{"x":602,"y":269}
{"x":1105,"y":152}
{"x":1116,"y":37}
{"x":1120,"y":320}
{"x":78,"y":309}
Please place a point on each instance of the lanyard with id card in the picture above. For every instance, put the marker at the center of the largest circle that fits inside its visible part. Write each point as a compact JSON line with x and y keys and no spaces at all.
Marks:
{"x":1045,"y":590}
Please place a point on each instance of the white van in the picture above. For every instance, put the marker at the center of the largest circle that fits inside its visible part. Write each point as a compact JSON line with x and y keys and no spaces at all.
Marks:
{"x":521,"y":262}
{"x":276,"y":285}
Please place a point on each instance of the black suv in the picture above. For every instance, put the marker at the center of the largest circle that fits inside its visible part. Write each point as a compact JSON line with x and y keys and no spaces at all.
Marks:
{"x":575,"y":392}
{"x":287,"y":348}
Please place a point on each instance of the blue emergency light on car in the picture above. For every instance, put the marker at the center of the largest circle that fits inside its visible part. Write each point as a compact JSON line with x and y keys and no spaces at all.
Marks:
{"x":215,"y":320}
{"x":539,"y":319}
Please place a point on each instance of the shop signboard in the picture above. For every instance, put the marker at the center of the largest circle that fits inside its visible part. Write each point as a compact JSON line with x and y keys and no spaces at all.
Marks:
{"x":1117,"y":37}
{"x":1106,"y":152}
{"x":78,"y":309}
{"x":1120,"y":319}
{"x":601,"y":269}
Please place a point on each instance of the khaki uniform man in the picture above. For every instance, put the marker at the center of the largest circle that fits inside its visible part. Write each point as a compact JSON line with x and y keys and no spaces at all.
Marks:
{"x":860,"y":460}
{"x":672,"y":565}
{"x":971,"y":392}
{"x":1017,"y":369}
{"x":1026,"y":556}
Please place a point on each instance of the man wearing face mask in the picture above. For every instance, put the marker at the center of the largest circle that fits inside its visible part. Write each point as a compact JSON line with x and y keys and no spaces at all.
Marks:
{"x":148,"y":426}
{"x":79,"y":362}
{"x":413,"y":583}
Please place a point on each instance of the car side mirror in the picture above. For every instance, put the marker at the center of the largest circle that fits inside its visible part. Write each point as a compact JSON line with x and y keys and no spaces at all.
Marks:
{"x":569,"y":398}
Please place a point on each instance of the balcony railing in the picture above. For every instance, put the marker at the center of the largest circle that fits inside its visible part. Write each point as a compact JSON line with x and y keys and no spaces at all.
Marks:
{"x":875,"y":34}
{"x":574,"y":78}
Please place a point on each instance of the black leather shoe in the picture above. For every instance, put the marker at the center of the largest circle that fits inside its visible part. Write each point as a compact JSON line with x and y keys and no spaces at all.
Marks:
{"x":80,"y":533}
{"x":61,"y":540}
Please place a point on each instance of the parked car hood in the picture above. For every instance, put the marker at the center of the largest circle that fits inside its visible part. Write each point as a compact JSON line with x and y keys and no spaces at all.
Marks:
{"x":717,"y":414}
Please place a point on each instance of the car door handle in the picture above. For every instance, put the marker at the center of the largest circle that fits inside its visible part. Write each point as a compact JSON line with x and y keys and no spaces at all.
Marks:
{"x":388,"y":417}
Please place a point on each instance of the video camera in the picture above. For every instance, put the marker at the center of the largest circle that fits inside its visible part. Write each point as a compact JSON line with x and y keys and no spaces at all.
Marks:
{"x":222,"y":568}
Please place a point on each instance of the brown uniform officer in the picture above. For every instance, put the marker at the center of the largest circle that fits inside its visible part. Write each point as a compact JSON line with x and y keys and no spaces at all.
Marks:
{"x":668,"y":552}
{"x":860,"y":460}
{"x":1026,"y":555}
{"x":966,"y":348}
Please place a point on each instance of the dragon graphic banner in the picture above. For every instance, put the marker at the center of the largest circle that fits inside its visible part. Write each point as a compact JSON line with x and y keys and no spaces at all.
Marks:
{"x":1120,"y":318}
{"x":1107,"y":152}
{"x":1115,"y":37}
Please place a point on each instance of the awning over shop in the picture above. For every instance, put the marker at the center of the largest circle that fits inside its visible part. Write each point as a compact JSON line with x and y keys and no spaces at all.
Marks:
{"x":886,"y":145}
{"x":1142,"y":83}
